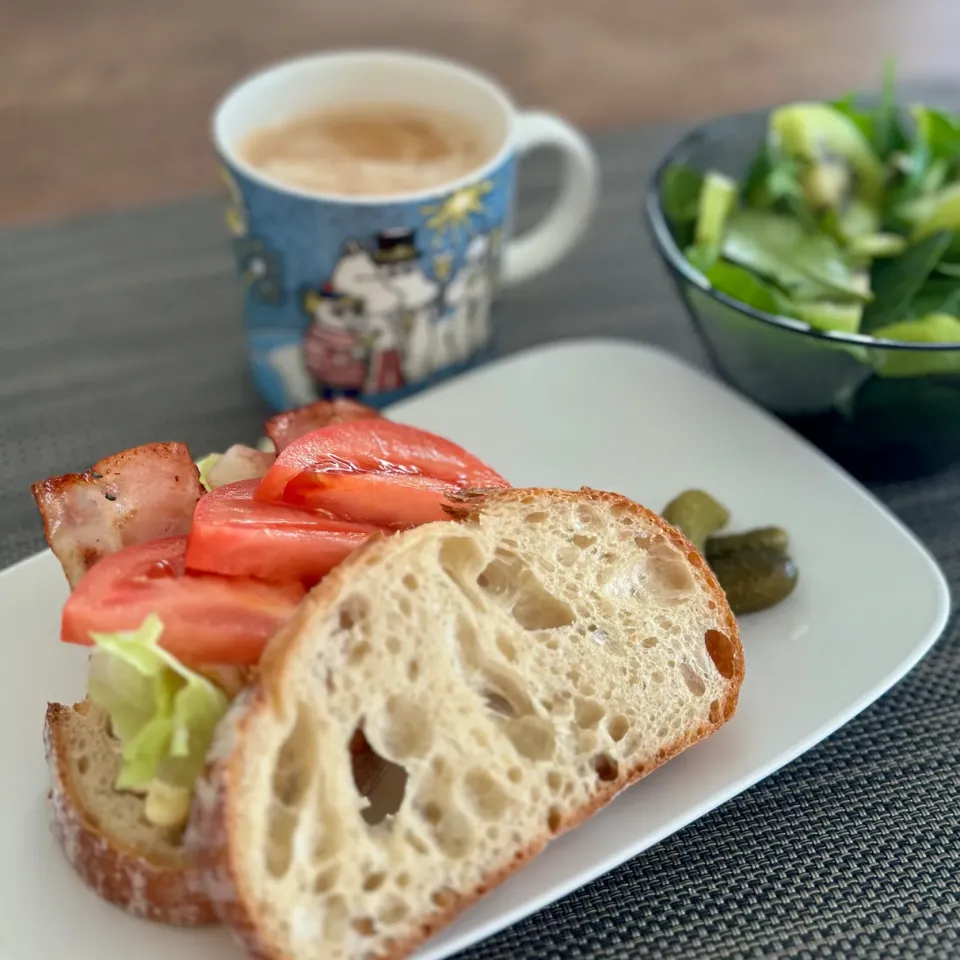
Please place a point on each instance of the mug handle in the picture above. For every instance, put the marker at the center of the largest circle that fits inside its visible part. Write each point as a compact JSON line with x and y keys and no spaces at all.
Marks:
{"x":553,"y":238}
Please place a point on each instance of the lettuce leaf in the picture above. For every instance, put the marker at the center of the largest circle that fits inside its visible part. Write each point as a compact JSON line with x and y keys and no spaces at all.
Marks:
{"x":163,"y":713}
{"x":205,"y":465}
{"x":807,"y":265}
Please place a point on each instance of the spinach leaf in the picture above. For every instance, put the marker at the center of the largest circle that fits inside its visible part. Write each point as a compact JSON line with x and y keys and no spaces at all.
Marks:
{"x":898,"y":280}
{"x":773,"y":182}
{"x":937,"y":133}
{"x":680,"y":192}
{"x":888,"y":134}
{"x":848,"y":107}
{"x":924,"y":166}
{"x":744,"y":286}
{"x":753,"y":187}
{"x":949,"y":269}
{"x":938,"y":295}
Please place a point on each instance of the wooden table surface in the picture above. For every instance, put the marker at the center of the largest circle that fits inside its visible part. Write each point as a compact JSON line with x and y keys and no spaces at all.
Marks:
{"x":105,"y":103}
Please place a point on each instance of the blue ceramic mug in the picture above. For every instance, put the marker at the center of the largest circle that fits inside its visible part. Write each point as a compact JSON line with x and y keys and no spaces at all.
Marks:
{"x":377,"y":297}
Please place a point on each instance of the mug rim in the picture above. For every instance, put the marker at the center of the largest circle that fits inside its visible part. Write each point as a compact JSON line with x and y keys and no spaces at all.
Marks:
{"x":496,"y":92}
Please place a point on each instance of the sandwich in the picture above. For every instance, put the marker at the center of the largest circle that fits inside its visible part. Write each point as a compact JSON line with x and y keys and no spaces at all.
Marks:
{"x":433,"y":675}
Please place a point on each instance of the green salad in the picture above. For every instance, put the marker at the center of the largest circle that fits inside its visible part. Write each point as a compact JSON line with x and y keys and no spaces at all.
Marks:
{"x":847,"y":219}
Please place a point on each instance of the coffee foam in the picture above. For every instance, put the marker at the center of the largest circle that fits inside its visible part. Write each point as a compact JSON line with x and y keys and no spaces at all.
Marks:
{"x":367,"y":150}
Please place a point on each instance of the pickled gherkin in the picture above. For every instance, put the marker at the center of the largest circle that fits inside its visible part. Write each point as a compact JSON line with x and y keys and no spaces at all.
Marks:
{"x":775,"y":538}
{"x":696,"y":515}
{"x":754,"y":567}
{"x":754,"y":578}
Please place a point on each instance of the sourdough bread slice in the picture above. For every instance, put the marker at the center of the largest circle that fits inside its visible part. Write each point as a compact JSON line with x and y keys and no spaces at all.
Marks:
{"x":509,"y":673}
{"x":125,"y":859}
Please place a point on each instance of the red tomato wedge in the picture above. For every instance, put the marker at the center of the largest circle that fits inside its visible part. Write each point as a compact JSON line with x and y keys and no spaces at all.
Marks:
{"x":206,"y":619}
{"x":235,"y":535}
{"x":374,"y":471}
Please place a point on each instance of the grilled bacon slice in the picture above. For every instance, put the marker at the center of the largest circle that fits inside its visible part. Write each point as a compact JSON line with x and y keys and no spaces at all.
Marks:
{"x":129,"y":498}
{"x":284,"y":428}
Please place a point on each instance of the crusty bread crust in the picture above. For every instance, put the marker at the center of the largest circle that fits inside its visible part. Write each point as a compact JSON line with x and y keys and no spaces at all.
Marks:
{"x":212,"y":818}
{"x":157,"y":887}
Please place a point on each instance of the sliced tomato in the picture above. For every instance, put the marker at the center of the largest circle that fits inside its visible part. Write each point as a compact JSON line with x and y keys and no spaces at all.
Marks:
{"x":235,"y":535}
{"x":393,"y":501}
{"x":206,"y":619}
{"x":374,"y":471}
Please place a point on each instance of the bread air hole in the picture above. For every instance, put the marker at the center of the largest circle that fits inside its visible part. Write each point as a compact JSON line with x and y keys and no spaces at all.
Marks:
{"x":460,"y":559}
{"x":364,"y":926}
{"x":606,"y":767}
{"x":326,"y":880}
{"x":554,"y":819}
{"x":582,"y":541}
{"x":485,"y":794}
{"x":379,"y":781}
{"x":568,"y":556}
{"x":393,"y":911}
{"x":353,"y":612}
{"x":532,"y":737}
{"x":296,"y":760}
{"x":693,"y":680}
{"x":292,"y":774}
{"x":587,"y":515}
{"x":415,"y":843}
{"x":358,"y":652}
{"x":588,"y":713}
{"x":506,"y":646}
{"x":335,"y":922}
{"x":444,"y":898}
{"x":722,"y":652}
{"x":508,"y":580}
{"x":501,"y":688}
{"x":618,"y":727}
{"x":451,"y":829}
{"x":538,"y":516}
{"x":410,"y":581}
{"x":406,"y":732}
{"x":499,"y":703}
{"x":281,"y":826}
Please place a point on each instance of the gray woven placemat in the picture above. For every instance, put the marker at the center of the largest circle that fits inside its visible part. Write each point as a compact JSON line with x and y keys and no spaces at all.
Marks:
{"x":122,"y":329}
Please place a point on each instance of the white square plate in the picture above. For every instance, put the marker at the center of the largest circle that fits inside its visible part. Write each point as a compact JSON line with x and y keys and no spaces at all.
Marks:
{"x":609,"y":415}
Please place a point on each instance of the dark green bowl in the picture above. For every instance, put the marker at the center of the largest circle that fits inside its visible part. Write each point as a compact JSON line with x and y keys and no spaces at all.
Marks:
{"x":856,"y":397}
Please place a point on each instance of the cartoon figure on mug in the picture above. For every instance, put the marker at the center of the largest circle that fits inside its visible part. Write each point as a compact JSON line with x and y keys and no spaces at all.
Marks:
{"x":334,"y":346}
{"x":399,"y":266}
{"x":359,"y":277}
{"x":469,"y":296}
